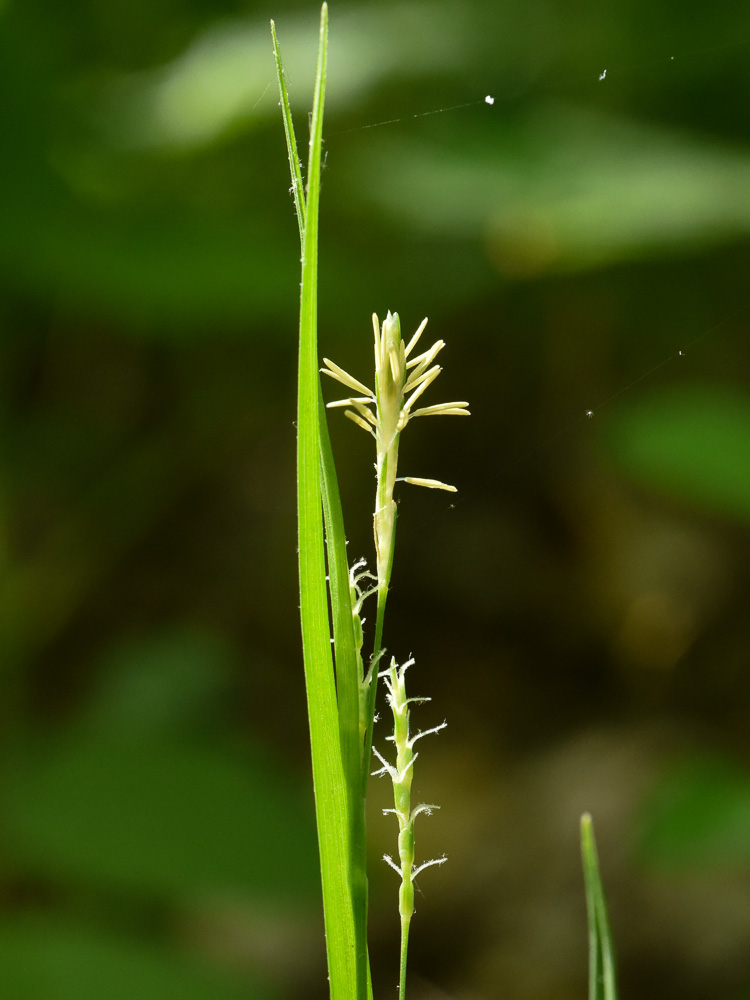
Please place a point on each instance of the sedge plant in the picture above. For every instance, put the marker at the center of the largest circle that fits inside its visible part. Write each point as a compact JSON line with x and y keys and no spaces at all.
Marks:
{"x":341,"y":687}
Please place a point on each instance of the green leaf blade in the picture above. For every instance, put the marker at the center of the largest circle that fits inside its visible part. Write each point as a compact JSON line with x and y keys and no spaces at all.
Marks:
{"x":328,"y":773}
{"x":355,"y":760}
{"x":291,"y":141}
{"x":602,"y":971}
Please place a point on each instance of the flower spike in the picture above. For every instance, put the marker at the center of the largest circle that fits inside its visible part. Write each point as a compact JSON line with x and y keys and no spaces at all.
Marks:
{"x":401,"y":775}
{"x":400,"y":380}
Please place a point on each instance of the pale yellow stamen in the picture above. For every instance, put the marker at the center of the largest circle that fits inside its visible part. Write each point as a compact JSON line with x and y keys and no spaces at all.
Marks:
{"x":355,"y":417}
{"x":442,"y":409}
{"x":345,"y":378}
{"x":431,"y":484}
{"x":348,"y":402}
{"x":422,"y":360}
{"x":413,"y":342}
{"x":362,"y":410}
{"x":424,"y":384}
{"x":427,"y":376}
{"x":393,"y":358}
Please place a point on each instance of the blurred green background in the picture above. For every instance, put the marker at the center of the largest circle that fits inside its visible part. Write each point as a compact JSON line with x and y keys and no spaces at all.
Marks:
{"x":578,"y":613}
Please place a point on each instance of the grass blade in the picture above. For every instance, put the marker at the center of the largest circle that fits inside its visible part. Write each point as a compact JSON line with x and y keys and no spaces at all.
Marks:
{"x":347,"y":680}
{"x":348,"y":670}
{"x":332,"y":812}
{"x":602,"y":981}
{"x":291,"y":141}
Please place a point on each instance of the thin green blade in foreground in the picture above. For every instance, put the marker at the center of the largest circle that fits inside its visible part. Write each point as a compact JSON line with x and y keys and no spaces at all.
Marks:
{"x":291,"y":141}
{"x":602,"y":983}
{"x":328,"y":773}
{"x":347,"y":686}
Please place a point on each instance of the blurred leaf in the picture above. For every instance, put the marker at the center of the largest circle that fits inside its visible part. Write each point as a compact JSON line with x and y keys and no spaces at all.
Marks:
{"x":161,"y":817}
{"x":220,"y":82}
{"x":692,"y":442}
{"x":115,"y":234}
{"x":560,"y":187}
{"x":172,"y":681}
{"x":43,"y":959}
{"x":698,"y":816}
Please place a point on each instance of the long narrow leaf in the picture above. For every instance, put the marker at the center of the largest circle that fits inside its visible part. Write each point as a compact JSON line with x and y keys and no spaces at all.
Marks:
{"x":291,"y":141}
{"x":347,"y":681}
{"x":328,"y":772}
{"x":347,"y":684}
{"x":602,"y":979}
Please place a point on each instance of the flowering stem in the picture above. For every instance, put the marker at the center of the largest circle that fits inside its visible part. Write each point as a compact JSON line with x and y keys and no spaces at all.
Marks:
{"x":384,"y":502}
{"x":402,"y":774}
{"x":368,"y":720}
{"x":384,"y":412}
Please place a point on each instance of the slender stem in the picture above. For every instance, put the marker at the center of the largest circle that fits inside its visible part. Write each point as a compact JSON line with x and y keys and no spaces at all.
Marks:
{"x":405,"y":923}
{"x":377,"y":652}
{"x":383,"y":497}
{"x":384,"y":526}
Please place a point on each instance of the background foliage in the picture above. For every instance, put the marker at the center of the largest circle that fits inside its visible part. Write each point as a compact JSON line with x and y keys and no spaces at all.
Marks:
{"x":580,"y":615}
